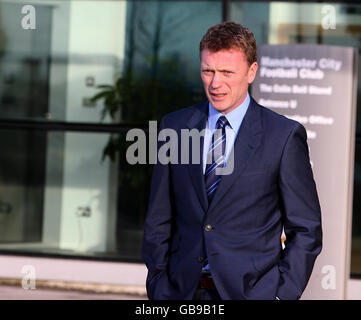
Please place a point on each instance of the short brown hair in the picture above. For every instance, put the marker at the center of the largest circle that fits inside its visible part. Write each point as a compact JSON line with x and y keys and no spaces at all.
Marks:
{"x":230,"y":35}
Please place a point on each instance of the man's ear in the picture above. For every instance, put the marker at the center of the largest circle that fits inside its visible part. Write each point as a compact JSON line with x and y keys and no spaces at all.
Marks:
{"x":252,"y":70}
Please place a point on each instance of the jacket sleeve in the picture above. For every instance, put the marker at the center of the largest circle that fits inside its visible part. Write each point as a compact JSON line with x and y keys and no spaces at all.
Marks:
{"x":301,"y":215}
{"x":158,"y":231}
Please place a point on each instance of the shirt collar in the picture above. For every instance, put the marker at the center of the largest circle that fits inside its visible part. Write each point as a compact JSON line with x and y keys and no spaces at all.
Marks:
{"x":234,"y":117}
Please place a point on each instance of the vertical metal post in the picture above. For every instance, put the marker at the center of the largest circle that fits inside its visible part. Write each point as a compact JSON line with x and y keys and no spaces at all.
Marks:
{"x":226,"y":9}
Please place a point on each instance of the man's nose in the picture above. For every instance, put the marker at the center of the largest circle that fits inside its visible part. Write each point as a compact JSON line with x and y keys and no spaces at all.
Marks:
{"x":216,"y":81}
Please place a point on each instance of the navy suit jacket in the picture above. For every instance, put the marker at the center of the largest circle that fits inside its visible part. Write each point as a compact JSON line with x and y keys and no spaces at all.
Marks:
{"x":271,"y":188}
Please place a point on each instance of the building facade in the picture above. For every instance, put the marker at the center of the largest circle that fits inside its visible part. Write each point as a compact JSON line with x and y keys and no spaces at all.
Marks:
{"x":75,"y":77}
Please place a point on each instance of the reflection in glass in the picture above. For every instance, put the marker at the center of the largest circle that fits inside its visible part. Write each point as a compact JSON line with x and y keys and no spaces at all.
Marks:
{"x":22,"y":176}
{"x":24,"y":63}
{"x":74,"y":193}
{"x":57,"y":196}
{"x":67,"y":193}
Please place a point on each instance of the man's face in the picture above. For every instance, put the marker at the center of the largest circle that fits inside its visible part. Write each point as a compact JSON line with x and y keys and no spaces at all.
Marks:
{"x":226,"y":76}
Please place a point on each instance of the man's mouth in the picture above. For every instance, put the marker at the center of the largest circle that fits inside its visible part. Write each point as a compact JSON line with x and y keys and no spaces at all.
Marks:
{"x":218,"y":96}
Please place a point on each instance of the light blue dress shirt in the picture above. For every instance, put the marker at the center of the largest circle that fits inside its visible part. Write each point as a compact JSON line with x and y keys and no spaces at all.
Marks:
{"x":235,"y":118}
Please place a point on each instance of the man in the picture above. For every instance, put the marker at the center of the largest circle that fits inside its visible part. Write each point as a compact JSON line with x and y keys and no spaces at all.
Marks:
{"x":218,"y":236}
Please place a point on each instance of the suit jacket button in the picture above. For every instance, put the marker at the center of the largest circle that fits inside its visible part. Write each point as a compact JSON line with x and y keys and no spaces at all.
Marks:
{"x":200,"y":259}
{"x":208,"y":227}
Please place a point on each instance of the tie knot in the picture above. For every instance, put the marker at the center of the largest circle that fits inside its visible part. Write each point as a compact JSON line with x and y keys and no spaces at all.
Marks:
{"x":221,"y":122}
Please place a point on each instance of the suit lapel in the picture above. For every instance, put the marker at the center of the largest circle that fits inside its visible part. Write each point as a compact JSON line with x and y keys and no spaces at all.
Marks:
{"x":198,"y":121}
{"x":246,"y":143}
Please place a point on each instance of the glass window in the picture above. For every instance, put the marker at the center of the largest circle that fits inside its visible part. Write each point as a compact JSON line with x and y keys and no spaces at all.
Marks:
{"x":88,"y":72}
{"x":24,"y":63}
{"x":71,"y":88}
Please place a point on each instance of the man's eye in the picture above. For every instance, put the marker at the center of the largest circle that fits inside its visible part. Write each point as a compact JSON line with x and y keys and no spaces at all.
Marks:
{"x":207,"y":71}
{"x":227,"y":72}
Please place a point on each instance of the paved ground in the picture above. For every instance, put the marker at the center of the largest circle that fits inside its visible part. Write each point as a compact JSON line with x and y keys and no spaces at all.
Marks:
{"x":18,"y":293}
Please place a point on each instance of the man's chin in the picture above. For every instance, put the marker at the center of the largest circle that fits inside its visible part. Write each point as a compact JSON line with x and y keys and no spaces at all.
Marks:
{"x":221,"y":107}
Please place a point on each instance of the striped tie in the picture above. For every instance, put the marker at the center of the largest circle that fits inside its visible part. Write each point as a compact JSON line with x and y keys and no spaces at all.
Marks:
{"x":215,"y":157}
